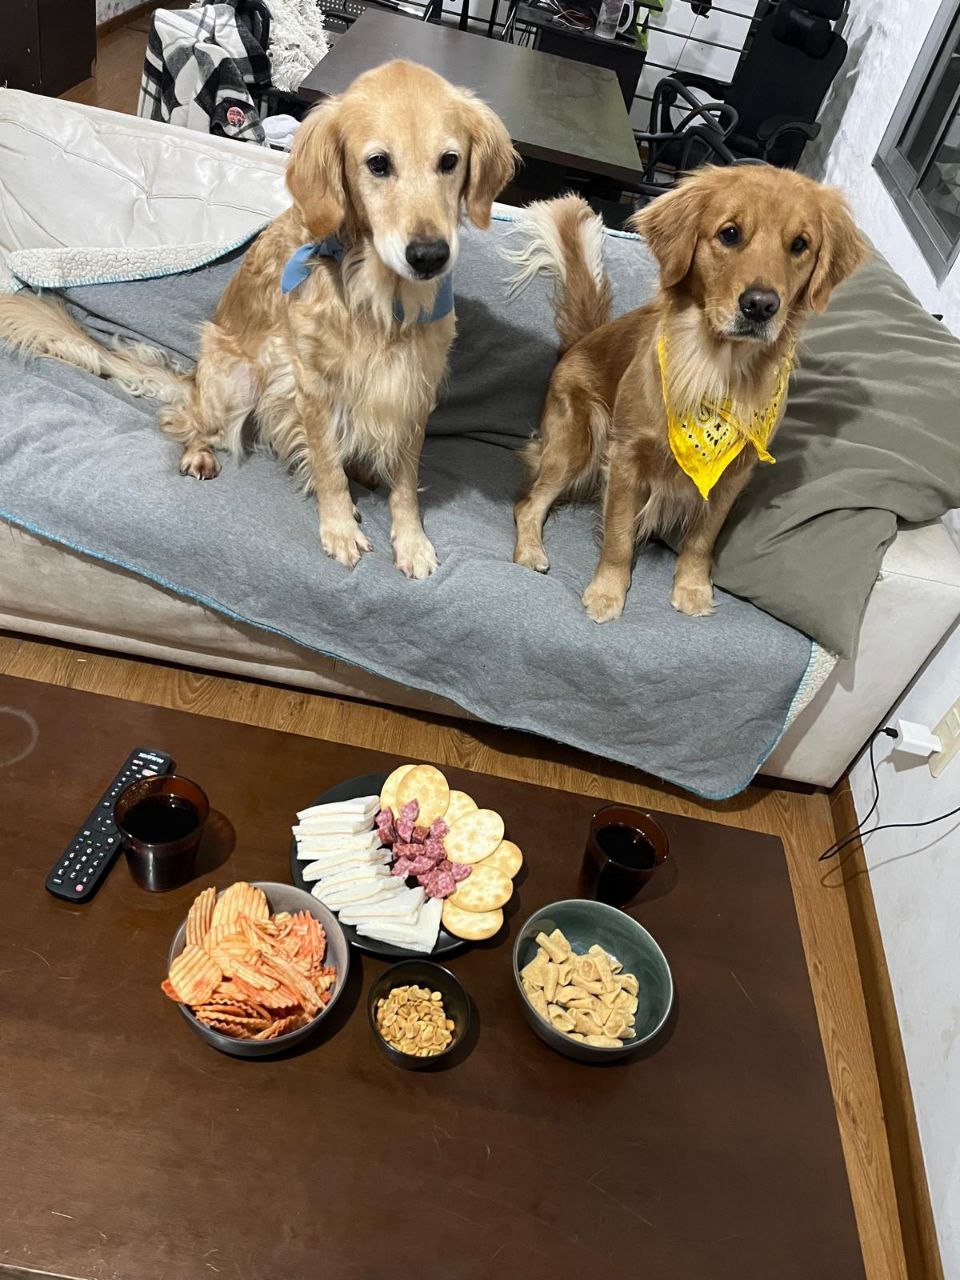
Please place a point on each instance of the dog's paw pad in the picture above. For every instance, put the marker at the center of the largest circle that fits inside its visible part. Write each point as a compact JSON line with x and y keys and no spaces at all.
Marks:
{"x":601,"y":604}
{"x":202,"y":464}
{"x":695,"y":602}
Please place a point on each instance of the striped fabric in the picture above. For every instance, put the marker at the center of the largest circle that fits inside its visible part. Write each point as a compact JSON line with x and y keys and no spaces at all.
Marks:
{"x":207,"y":67}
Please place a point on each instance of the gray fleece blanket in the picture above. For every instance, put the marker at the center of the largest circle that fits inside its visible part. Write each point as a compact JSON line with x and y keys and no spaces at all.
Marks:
{"x":699,"y":702}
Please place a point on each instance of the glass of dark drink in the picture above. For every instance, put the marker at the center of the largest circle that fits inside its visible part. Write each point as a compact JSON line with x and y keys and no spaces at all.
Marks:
{"x":160,"y":821}
{"x":624,"y":848}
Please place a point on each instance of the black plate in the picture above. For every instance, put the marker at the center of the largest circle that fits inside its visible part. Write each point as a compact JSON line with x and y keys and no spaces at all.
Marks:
{"x":369,"y":785}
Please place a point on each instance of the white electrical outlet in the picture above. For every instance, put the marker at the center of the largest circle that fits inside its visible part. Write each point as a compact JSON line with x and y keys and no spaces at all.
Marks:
{"x":948,"y":731}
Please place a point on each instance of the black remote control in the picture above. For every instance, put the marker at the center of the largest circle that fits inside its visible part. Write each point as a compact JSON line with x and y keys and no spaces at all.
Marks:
{"x":79,"y":870}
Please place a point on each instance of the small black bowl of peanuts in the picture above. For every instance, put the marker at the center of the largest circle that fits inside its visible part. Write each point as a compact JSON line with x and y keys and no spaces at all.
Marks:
{"x":419,"y":1013}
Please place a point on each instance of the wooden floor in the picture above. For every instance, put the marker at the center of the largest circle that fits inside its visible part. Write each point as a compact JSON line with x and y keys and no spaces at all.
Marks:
{"x":835,"y":909}
{"x":116,"y":84}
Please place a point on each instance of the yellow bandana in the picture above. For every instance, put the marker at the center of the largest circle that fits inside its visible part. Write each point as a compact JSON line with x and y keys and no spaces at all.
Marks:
{"x":704,"y":443}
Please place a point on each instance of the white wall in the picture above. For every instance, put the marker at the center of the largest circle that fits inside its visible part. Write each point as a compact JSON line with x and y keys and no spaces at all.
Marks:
{"x":885,"y":37}
{"x":914,"y":875}
{"x":915,"y":878}
{"x":674,"y":43}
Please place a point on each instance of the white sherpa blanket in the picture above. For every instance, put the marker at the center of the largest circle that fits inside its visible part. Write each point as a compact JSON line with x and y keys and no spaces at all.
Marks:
{"x":134,"y":199}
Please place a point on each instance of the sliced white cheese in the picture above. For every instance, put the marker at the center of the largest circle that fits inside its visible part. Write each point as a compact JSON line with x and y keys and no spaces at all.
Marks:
{"x":334,"y":857}
{"x":369,"y":894}
{"x":401,"y":906}
{"x":356,"y":872}
{"x":355,"y":894}
{"x":419,"y":936}
{"x":331,"y":842}
{"x":354,"y":867}
{"x":377,"y":891}
{"x":336,"y":823}
{"x":360,"y":806}
{"x":322,"y":870}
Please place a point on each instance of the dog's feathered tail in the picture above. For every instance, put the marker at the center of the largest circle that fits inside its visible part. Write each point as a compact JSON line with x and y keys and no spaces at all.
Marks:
{"x":41,"y":327}
{"x":564,"y":238}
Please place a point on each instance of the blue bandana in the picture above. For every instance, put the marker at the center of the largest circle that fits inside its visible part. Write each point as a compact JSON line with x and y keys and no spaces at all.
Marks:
{"x":298,"y":268}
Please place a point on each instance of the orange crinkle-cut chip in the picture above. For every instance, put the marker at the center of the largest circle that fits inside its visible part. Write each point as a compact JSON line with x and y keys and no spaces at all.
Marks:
{"x":246,"y":973}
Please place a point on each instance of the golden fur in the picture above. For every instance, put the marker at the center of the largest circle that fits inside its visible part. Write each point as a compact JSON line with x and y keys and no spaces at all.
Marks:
{"x":604,"y":413}
{"x":331,"y":378}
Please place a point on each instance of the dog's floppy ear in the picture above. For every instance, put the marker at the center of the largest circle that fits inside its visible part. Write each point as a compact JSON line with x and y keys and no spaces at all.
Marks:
{"x":315,"y":171}
{"x":492,"y":162}
{"x":670,"y":224}
{"x":842,"y":249}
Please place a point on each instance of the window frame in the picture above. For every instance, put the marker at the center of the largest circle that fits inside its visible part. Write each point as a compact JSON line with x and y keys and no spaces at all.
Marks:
{"x":900,"y":178}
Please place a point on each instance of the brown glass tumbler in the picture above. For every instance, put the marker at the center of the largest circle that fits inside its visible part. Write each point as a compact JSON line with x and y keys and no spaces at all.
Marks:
{"x":160,"y":821}
{"x":624,"y":848}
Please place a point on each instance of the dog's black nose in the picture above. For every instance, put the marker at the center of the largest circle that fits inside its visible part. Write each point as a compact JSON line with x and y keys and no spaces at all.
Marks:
{"x":427,"y":257}
{"x":759,"y":304}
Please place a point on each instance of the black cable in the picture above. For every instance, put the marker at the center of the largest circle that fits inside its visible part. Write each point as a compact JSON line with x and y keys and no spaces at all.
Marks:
{"x":835,"y":848}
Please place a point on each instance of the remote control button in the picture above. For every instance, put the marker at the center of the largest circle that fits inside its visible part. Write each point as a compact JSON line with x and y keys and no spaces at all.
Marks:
{"x":148,"y":773}
{"x":78,"y":888}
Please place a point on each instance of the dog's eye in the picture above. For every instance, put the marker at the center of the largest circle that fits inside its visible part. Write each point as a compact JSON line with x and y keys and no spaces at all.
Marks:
{"x":800,"y":244}
{"x":379,"y":165}
{"x":729,"y":235}
{"x":449,"y":161}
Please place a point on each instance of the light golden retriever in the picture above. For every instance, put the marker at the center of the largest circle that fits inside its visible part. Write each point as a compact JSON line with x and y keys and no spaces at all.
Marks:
{"x":342,"y":369}
{"x":744,"y":253}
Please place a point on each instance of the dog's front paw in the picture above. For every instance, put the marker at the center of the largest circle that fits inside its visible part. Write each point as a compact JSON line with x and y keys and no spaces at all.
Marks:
{"x":531,"y":557}
{"x":346,"y":545}
{"x":695,"y":601}
{"x":602,"y":603}
{"x":202,"y":464}
{"x":415,"y":556}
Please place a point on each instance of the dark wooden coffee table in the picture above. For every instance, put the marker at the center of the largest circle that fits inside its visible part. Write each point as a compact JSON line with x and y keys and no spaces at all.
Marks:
{"x":565,"y":114}
{"x":132,"y":1150}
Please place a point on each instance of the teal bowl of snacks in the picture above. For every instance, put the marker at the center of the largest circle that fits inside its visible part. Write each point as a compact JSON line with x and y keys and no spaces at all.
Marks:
{"x":593,"y":983}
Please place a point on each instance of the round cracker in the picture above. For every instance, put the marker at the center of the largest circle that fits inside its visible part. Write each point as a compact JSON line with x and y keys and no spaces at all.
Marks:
{"x":388,"y":793}
{"x":484,"y":890}
{"x":473,"y":926}
{"x":506,"y":858}
{"x":429,"y":788}
{"x":460,"y":805}
{"x":474,"y":837}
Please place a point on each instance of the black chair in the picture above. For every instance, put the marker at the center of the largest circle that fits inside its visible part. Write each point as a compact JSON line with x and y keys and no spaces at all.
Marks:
{"x":700,"y":140}
{"x":700,"y":136}
{"x":779,"y":85}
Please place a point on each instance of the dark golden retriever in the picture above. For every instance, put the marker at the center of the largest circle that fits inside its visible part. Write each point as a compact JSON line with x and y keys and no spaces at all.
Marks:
{"x":673,"y":404}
